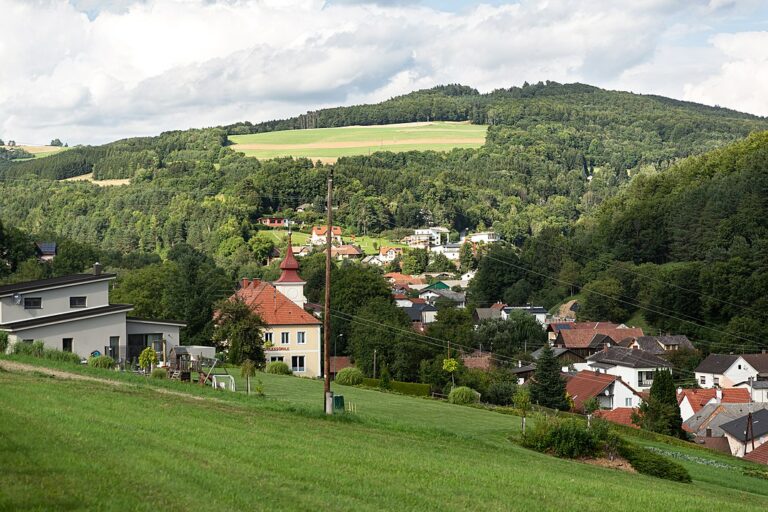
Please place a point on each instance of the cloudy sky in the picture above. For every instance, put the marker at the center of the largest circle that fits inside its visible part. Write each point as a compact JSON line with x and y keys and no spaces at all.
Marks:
{"x":90,"y":71}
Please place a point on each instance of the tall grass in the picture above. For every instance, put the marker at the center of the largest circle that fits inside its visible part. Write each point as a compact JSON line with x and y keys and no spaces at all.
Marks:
{"x":38,"y":349}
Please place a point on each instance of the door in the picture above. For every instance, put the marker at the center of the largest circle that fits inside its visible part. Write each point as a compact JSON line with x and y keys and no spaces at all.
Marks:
{"x":66,"y":345}
{"x":136,"y":343}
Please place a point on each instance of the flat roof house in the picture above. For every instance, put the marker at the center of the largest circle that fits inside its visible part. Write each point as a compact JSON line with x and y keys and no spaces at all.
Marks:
{"x":72,"y":313}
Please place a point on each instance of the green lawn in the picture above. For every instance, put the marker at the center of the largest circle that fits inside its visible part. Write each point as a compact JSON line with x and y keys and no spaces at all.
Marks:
{"x":89,"y":446}
{"x":365,"y":242}
{"x":361,"y":140}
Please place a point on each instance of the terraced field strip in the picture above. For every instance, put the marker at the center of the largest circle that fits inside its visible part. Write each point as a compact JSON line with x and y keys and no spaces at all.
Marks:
{"x":328,"y":144}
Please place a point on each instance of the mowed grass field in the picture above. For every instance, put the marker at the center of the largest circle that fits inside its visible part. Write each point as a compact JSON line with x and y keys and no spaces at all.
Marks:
{"x":40,"y":151}
{"x":77,"y":445}
{"x":366,"y":243}
{"x":329,"y":144}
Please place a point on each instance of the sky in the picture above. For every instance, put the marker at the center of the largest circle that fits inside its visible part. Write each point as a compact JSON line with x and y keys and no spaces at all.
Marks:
{"x":89,"y":71}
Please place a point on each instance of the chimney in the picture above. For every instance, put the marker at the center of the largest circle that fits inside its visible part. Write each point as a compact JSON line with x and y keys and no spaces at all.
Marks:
{"x":679,"y":390}
{"x":244,"y":282}
{"x":97,"y":269}
{"x":719,"y":394}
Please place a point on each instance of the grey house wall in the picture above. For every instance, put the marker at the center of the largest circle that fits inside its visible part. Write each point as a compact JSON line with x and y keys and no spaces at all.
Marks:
{"x":55,"y":301}
{"x":88,"y":334}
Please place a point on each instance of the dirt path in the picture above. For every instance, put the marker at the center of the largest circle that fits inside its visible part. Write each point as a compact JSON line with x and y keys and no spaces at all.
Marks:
{"x":364,"y":143}
{"x":13,"y":366}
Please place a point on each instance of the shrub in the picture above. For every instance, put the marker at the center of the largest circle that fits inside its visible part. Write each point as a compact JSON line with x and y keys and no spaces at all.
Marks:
{"x":386,"y":380}
{"x":159,"y":373}
{"x":3,"y":342}
{"x":101,"y":362}
{"x":463,"y":395}
{"x":648,"y":463}
{"x":500,"y":393}
{"x":34,"y":349}
{"x":349,"y":377}
{"x":147,"y":358}
{"x":570,"y":438}
{"x":58,"y":355}
{"x":279,"y":368}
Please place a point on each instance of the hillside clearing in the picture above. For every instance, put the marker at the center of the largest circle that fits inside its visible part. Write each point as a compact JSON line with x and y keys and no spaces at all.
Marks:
{"x":331,"y":143}
{"x":38,"y":151}
{"x":68,"y":445}
{"x":101,"y":183}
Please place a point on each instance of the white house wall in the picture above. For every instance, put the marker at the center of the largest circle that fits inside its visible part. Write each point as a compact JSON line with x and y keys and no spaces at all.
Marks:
{"x":88,"y":334}
{"x":55,"y":301}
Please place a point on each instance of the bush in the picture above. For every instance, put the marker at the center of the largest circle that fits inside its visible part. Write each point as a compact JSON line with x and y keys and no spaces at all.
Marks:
{"x":349,"y":377}
{"x":3,"y":342}
{"x":500,"y":393}
{"x":34,"y":349}
{"x":279,"y":368}
{"x":101,"y":362}
{"x":562,"y":437}
{"x":159,"y":373}
{"x":648,"y":463}
{"x":58,"y":355}
{"x":147,"y":358}
{"x":463,"y":395}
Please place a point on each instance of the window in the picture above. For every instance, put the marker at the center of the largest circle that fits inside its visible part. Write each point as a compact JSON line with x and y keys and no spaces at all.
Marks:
{"x":28,"y":341}
{"x":628,"y":402}
{"x":717,"y":381}
{"x":77,"y":302}
{"x":66,"y":345}
{"x":268,"y":337}
{"x":702,"y":380}
{"x":155,"y":341}
{"x":284,"y":338}
{"x":297,"y":363}
{"x":114,"y":347}
{"x":33,"y":303}
{"x":275,"y":359}
{"x":739,"y":367}
{"x":301,"y":338}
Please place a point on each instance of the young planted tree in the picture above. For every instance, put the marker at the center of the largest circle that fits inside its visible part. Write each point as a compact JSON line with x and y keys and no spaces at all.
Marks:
{"x":522,"y":402}
{"x":451,"y":365}
{"x":548,"y":386}
{"x":240,"y":329}
{"x":248,"y":370}
{"x":147,"y":359}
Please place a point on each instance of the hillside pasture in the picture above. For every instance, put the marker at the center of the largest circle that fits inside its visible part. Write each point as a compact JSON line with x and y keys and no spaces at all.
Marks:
{"x":80,"y":445}
{"x":329,"y":144}
{"x":39,"y":151}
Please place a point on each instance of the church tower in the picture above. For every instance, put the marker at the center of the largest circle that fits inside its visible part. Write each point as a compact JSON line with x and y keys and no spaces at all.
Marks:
{"x":290,"y":283}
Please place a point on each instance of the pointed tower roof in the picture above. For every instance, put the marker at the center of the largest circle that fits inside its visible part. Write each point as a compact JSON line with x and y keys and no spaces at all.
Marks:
{"x":289,"y":266}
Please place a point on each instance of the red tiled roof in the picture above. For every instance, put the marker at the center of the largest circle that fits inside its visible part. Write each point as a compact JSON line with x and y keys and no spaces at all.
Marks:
{"x":719,"y":444}
{"x":498,"y":306}
{"x":585,"y":385}
{"x":385,"y":250}
{"x":557,"y":326}
{"x":759,"y":454}
{"x":698,"y":398}
{"x":620,"y":415}
{"x":272,"y":306}
{"x":346,"y":250}
{"x":581,"y":338}
{"x":418,"y":300}
{"x":322,"y":230}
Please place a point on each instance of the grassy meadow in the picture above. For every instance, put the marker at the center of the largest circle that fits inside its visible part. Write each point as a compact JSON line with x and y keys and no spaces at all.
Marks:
{"x":40,"y":151}
{"x":365,"y":242}
{"x":332,"y":143}
{"x":80,"y":445}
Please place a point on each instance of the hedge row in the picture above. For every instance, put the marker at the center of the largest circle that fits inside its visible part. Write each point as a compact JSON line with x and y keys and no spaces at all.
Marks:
{"x":406,"y":388}
{"x":653,"y":464}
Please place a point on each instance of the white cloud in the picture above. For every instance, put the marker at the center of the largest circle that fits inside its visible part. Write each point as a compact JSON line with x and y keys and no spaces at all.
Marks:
{"x":90,"y":72}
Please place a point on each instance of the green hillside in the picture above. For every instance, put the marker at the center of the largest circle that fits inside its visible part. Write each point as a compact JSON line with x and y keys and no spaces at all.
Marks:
{"x":69,"y":443}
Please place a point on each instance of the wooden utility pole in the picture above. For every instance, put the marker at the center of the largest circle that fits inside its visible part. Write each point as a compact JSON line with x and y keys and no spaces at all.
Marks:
{"x":327,"y":395}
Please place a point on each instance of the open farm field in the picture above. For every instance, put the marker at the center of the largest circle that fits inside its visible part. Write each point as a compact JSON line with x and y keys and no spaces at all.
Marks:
{"x":366,"y":243}
{"x":332,"y":143}
{"x":69,"y":444}
{"x":40,"y":151}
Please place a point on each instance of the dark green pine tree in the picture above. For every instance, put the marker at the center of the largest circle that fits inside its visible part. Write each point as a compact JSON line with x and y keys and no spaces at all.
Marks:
{"x":661,"y":412}
{"x":548,"y":386}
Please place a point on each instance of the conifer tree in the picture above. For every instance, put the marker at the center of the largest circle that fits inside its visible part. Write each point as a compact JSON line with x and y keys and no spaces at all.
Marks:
{"x":548,"y":386}
{"x":661,"y":412}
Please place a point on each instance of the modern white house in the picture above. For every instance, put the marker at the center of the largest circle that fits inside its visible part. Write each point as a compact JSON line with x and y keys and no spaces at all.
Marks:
{"x":450,"y":251}
{"x":426,"y":237}
{"x":635,"y":367}
{"x":483,"y":237}
{"x":72,"y":313}
{"x":731,"y":370}
{"x":537,"y":312}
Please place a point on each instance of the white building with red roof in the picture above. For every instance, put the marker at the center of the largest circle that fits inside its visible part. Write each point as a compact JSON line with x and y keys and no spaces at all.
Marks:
{"x":292,"y":334}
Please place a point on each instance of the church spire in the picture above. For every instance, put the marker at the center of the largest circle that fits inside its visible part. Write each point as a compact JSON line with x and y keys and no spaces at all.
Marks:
{"x":289,"y":266}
